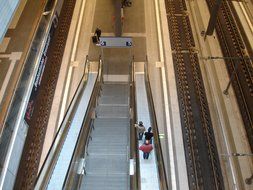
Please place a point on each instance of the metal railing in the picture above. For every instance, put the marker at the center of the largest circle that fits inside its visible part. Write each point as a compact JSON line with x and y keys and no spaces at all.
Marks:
{"x":55,"y":149}
{"x":134,"y":146}
{"x":157,"y":144}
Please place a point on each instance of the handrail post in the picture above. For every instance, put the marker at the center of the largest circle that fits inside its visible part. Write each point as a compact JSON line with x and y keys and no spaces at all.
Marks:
{"x":101,"y":70}
{"x":86,"y":58}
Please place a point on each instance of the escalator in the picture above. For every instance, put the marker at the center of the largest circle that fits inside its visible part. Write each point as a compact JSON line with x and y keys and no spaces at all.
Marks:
{"x":104,"y":153}
{"x":107,"y":160}
{"x":56,"y":165}
{"x":163,"y":174}
{"x":91,"y":148}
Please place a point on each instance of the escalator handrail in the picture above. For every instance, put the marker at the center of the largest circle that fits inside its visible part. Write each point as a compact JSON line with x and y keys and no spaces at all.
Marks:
{"x":134,"y":148}
{"x":158,"y":149}
{"x":26,"y":57}
{"x":46,"y":168}
{"x":101,"y":70}
{"x":86,"y":67}
{"x":87,"y":132}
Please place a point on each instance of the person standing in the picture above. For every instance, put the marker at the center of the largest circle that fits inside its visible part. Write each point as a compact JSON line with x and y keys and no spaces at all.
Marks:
{"x":126,"y":3}
{"x":98,"y":33}
{"x":149,"y":135}
{"x":141,"y":129}
{"x":146,"y":148}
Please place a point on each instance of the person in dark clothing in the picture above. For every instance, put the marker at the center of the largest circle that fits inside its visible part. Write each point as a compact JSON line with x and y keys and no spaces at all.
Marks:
{"x":126,"y":3}
{"x":149,"y":135}
{"x":98,"y":33}
{"x":146,"y":148}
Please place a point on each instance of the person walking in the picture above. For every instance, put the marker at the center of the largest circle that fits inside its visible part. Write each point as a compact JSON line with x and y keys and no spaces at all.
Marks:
{"x":146,"y":148}
{"x":149,"y":135}
{"x":140,"y":129}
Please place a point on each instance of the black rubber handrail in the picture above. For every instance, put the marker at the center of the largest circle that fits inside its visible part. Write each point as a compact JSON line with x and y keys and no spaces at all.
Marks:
{"x":158,"y":149}
{"x":59,"y":138}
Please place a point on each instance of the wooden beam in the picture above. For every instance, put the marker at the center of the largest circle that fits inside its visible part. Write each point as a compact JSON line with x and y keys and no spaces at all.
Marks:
{"x":213,"y":18}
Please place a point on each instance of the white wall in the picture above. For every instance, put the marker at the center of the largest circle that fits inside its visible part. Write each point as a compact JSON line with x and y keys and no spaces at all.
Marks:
{"x":7,"y":9}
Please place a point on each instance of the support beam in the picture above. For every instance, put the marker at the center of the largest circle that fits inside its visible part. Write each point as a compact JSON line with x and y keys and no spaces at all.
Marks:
{"x":213,"y":18}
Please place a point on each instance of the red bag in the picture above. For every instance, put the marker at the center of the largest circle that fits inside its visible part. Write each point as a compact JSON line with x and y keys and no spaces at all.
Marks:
{"x":146,"y":148}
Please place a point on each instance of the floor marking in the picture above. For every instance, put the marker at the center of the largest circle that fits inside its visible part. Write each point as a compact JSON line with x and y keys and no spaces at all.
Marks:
{"x":14,"y":56}
{"x":140,"y":72}
{"x":116,"y":78}
{"x":4,"y":44}
{"x":74,"y":63}
{"x":5,"y":55}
